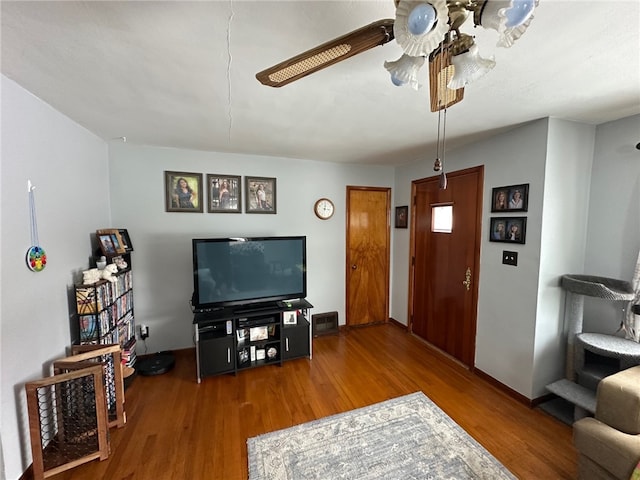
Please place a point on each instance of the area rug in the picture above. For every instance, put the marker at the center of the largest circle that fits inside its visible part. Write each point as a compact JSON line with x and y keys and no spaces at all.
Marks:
{"x":404,"y":438}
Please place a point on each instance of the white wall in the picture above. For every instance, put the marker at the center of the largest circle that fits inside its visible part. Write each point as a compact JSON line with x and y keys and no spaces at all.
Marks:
{"x":162,"y":261}
{"x":613,"y":236}
{"x":68,"y":166}
{"x":563,"y":218}
{"x":507,"y":294}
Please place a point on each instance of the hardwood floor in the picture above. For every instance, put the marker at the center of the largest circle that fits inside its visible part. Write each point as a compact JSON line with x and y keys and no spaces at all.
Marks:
{"x":179,"y":429}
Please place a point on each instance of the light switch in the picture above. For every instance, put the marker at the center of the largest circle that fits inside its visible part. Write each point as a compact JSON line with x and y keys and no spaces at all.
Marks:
{"x":510,"y":258}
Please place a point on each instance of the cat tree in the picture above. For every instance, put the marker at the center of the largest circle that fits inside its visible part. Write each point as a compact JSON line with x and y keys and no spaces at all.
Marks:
{"x":582,"y":377}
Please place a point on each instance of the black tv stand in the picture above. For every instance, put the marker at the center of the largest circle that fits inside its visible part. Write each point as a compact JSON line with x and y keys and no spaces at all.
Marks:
{"x":238,"y":338}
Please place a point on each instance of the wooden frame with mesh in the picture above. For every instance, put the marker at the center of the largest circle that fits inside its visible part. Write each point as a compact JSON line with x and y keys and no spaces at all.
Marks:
{"x":110,"y":357}
{"x":67,"y":421}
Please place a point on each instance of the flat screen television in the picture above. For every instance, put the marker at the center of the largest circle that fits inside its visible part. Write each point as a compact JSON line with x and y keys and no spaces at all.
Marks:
{"x":246,"y":271}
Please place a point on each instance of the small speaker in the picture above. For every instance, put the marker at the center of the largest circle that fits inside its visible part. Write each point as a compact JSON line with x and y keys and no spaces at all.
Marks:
{"x":324,"y":323}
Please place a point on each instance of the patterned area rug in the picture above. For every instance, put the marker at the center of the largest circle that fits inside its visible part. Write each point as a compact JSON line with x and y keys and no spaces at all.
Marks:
{"x":404,"y":438}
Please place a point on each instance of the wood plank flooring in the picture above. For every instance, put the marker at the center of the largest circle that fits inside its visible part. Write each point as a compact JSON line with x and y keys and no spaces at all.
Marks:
{"x":179,"y":429}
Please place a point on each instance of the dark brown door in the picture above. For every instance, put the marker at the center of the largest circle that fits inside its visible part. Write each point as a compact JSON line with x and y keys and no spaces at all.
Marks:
{"x":368,"y":247}
{"x":443,"y":288}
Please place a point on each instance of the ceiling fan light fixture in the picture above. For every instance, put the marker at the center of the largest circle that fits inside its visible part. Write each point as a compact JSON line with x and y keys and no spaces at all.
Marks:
{"x":428,"y":19}
{"x":510,"y":18}
{"x":468,"y":67}
{"x":404,"y":71}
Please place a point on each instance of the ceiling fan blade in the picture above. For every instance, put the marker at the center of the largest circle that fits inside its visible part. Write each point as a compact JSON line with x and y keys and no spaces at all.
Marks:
{"x":334,"y":51}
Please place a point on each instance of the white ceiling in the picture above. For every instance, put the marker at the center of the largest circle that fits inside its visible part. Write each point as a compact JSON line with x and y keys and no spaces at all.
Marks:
{"x":182,"y":74}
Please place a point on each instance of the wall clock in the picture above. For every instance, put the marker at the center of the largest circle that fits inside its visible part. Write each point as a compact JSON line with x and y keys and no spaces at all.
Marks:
{"x":324,"y":208}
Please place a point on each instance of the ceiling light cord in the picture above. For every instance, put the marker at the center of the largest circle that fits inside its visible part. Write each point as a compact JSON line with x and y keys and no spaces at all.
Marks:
{"x":438,"y":165}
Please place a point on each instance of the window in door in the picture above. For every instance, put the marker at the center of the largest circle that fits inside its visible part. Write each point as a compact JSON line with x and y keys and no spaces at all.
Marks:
{"x":442,"y":218}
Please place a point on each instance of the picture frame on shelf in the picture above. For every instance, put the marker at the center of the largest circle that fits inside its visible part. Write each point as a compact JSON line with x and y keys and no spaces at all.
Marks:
{"x":183,"y":192}
{"x":260,"y":195}
{"x":116,"y":240}
{"x":271,"y":330}
{"x":242,"y":334}
{"x":508,"y":229}
{"x":401,"y":216}
{"x":107,"y":247}
{"x":243,"y":356}
{"x":510,"y":198}
{"x":225,"y":193}
{"x":119,"y":262}
{"x":290,"y":317}
{"x":258,"y":333}
{"x":126,"y":240}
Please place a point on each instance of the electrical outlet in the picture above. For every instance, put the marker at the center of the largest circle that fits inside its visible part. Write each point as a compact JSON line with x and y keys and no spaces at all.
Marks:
{"x":144,"y":331}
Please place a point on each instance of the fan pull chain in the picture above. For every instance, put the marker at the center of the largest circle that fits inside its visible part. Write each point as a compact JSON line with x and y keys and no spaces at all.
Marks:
{"x":443,"y":175}
{"x":36,"y":256}
{"x":437,"y":166}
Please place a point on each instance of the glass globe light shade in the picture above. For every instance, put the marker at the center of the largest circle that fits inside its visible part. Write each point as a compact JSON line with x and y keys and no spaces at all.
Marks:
{"x":510,"y":18}
{"x":520,"y":12}
{"x":420,"y":26}
{"x":468,"y":67}
{"x":421,"y":19}
{"x":404,"y":71}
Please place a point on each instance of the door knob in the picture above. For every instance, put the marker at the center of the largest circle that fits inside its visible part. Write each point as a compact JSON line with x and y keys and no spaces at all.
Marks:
{"x":353,"y":267}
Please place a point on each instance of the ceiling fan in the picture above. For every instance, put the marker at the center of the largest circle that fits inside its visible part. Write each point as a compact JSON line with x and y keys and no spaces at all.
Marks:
{"x":427,"y":29}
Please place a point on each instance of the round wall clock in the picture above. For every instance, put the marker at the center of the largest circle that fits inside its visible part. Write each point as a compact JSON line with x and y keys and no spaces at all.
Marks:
{"x":324,"y":208}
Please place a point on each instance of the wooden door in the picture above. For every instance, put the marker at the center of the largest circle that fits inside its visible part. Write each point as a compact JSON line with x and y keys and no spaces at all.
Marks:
{"x":444,"y":274}
{"x":368,"y":247}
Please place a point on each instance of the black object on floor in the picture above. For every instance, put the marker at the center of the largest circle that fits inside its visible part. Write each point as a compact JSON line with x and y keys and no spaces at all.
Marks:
{"x":157,"y":364}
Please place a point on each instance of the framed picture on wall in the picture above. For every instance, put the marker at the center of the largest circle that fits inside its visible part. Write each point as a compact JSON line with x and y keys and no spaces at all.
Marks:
{"x":183,"y":192}
{"x":401,"y":216}
{"x":260,"y":195}
{"x":224,"y":193}
{"x":511,"y":198}
{"x":508,"y":229}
